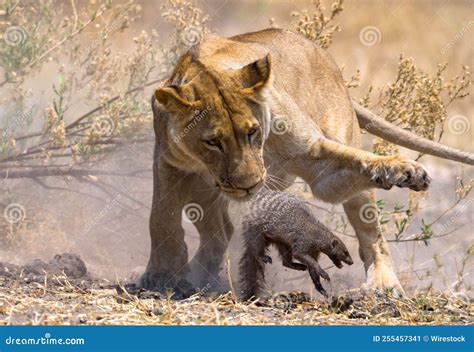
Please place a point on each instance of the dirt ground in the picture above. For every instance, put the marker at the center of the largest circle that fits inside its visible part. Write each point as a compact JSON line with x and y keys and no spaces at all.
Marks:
{"x":62,"y":292}
{"x":109,"y":230}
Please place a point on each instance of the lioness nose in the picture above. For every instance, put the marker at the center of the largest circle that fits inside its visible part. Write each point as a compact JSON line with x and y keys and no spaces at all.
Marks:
{"x":243,"y":181}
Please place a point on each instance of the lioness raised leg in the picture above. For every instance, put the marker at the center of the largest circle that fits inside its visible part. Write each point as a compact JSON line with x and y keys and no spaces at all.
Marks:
{"x":337,"y":172}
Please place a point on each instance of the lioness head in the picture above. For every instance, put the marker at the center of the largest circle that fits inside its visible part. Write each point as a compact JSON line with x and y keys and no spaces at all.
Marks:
{"x":217,"y":121}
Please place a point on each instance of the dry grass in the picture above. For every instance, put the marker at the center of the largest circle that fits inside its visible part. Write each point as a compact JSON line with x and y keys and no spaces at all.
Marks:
{"x":57,"y":213}
{"x":59,"y":301}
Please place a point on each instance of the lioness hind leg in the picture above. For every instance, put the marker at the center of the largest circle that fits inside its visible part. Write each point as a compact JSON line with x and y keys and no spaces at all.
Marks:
{"x":373,"y":249}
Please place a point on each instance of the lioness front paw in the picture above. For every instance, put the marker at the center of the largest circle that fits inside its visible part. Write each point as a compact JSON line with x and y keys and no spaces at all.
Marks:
{"x":163,"y":283}
{"x":401,"y":172}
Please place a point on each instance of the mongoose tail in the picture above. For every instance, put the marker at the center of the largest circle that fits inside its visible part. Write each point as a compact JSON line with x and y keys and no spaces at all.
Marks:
{"x":381,"y":128}
{"x":252,"y":264}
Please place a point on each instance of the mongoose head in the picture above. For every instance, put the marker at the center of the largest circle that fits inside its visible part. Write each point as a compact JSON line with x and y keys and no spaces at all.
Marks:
{"x":338,"y":253}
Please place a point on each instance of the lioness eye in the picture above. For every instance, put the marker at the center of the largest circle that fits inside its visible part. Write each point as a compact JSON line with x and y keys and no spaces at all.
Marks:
{"x":214,"y":142}
{"x":252,"y":131}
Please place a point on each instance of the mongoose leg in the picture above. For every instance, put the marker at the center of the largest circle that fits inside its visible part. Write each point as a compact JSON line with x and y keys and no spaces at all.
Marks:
{"x":315,"y":271}
{"x":295,"y":266}
{"x":286,"y":254}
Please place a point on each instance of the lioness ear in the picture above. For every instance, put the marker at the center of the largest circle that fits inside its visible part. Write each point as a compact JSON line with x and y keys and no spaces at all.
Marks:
{"x":170,"y":99}
{"x":256,"y":75}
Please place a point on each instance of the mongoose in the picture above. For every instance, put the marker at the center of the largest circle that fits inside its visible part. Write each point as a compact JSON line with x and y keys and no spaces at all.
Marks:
{"x":285,"y":221}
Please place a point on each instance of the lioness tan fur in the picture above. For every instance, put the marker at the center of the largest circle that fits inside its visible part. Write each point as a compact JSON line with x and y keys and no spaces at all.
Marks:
{"x":263,"y":106}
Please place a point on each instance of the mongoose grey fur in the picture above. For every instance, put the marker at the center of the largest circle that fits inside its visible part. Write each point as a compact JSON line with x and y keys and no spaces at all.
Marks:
{"x":285,"y":221}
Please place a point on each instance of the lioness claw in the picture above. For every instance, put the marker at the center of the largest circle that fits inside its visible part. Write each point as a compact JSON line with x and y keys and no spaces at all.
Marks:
{"x":403,"y":173}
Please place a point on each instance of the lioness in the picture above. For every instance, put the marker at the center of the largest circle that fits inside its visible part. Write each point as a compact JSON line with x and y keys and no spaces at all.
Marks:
{"x":260,"y":106}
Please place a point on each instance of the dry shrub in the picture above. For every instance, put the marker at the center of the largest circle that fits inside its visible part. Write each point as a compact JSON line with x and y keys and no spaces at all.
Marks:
{"x":108,"y":85}
{"x":417,"y":101}
{"x":318,"y":26}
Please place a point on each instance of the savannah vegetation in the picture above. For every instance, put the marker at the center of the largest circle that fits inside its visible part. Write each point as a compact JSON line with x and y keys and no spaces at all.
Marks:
{"x":76,"y":132}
